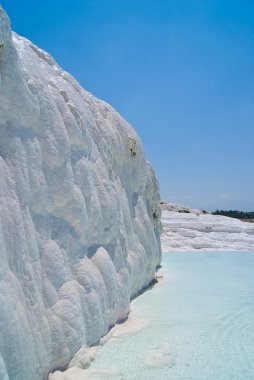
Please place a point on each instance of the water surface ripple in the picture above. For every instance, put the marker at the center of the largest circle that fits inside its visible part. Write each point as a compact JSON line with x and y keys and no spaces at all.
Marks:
{"x":200,"y":323}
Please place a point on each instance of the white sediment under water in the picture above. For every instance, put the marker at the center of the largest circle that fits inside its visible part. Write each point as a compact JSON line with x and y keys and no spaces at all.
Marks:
{"x":199,"y":324}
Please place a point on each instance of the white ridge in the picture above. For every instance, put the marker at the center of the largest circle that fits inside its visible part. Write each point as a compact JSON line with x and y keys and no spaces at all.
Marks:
{"x":186,"y":229}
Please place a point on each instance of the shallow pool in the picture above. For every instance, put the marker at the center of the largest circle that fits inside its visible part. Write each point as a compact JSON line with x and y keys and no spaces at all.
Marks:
{"x":200,"y":323}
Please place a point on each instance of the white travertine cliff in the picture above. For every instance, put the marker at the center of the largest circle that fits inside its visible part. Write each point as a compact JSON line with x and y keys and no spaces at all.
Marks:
{"x":79,"y":214}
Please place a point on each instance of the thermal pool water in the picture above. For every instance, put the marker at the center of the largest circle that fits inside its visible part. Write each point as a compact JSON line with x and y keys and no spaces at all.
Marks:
{"x":198,"y":324}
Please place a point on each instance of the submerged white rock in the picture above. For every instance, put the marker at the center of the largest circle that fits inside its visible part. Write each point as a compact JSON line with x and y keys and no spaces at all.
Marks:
{"x":79,"y":213}
{"x":186,"y":229}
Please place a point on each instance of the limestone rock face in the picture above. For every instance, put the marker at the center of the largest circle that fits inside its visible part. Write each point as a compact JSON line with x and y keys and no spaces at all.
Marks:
{"x":79,"y":213}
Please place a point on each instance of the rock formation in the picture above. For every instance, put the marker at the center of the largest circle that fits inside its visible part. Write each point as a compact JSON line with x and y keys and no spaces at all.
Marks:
{"x":186,"y":229}
{"x":79,"y":213}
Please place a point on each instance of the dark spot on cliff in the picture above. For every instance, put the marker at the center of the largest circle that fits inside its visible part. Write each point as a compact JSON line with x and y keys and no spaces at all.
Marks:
{"x":133,"y":146}
{"x":156,"y":214}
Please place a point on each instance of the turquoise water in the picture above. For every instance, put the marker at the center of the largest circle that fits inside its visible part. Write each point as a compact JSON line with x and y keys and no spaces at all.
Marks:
{"x":200,"y":323}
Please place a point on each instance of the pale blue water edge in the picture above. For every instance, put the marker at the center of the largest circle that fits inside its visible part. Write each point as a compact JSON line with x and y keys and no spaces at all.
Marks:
{"x":201,"y":323}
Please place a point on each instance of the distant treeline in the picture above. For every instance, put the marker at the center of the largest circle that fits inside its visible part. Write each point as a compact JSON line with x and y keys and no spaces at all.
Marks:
{"x":235,"y":214}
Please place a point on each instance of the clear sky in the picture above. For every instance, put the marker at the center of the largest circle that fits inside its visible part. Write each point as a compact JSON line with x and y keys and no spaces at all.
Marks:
{"x":180,"y":71}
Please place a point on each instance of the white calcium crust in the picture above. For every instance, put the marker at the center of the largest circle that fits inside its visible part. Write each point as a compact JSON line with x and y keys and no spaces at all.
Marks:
{"x":79,"y":213}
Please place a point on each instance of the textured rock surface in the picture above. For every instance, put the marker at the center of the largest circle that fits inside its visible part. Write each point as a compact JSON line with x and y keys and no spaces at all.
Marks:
{"x":186,"y":229}
{"x":79,"y":213}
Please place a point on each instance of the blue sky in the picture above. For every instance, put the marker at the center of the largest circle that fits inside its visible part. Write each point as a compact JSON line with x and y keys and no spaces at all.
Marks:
{"x":181,"y":72}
